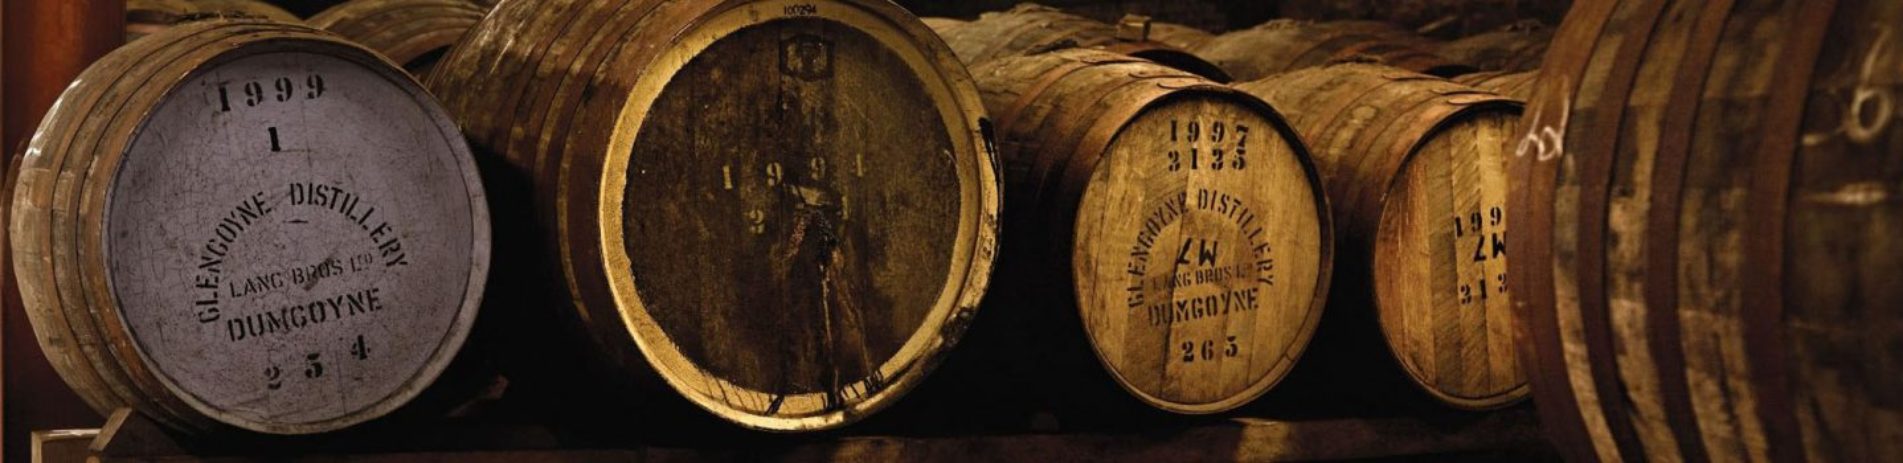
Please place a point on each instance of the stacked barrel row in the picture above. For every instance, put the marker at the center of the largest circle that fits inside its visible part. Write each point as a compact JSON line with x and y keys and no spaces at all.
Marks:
{"x":1407,"y":178}
{"x":829,"y":237}
{"x":794,"y":261}
{"x":786,"y":213}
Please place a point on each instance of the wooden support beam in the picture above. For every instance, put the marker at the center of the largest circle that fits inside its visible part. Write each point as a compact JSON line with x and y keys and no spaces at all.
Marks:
{"x":60,"y":446}
{"x":1508,"y":435}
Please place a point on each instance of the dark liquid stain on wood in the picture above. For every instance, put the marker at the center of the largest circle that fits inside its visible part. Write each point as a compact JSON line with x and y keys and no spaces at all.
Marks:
{"x":791,"y":241}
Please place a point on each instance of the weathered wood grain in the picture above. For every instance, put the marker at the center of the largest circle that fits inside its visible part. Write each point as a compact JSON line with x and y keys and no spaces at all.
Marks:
{"x":1415,"y":167}
{"x":1285,"y":45}
{"x":414,"y":33}
{"x":1704,"y":187}
{"x":145,"y":17}
{"x":943,"y":26}
{"x":1184,"y":220}
{"x":1516,"y":85}
{"x":1030,"y":28}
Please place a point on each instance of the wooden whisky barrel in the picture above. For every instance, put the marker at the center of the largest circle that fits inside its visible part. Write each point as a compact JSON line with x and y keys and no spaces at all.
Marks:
{"x":1706,"y":232}
{"x":1178,"y":35}
{"x":1181,"y":219}
{"x":144,"y":17}
{"x":1516,"y":85}
{"x":1415,"y":169}
{"x":784,"y":210}
{"x":1285,"y":45}
{"x":255,"y":8}
{"x":1515,"y":47}
{"x":1435,"y":18}
{"x":238,"y":224}
{"x":416,"y":33}
{"x":1032,"y":28}
{"x":943,"y":25}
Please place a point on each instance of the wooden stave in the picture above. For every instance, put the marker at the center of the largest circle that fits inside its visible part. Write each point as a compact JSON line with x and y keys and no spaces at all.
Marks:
{"x":1285,"y":45}
{"x":95,"y":365}
{"x":1031,"y":28}
{"x":257,"y":8}
{"x":86,"y":382}
{"x":183,"y":8}
{"x":88,"y":267}
{"x":541,"y":150}
{"x":587,"y":293}
{"x":122,"y":361}
{"x":144,"y":77}
{"x":1778,"y":429}
{"x":1051,"y":154}
{"x":404,"y":30}
{"x":535,"y":28}
{"x":1516,"y":85}
{"x":943,"y":26}
{"x":145,"y":17}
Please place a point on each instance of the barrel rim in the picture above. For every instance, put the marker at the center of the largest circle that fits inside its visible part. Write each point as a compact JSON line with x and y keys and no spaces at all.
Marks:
{"x":973,"y":254}
{"x":297,"y":38}
{"x":1323,"y":216}
{"x":52,"y":321}
{"x":1501,"y":399}
{"x":121,"y":359}
{"x":412,"y":28}
{"x":64,"y":118}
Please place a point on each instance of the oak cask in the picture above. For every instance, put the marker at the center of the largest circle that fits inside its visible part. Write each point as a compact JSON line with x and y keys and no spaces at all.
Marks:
{"x":149,"y":16}
{"x":1177,"y":220}
{"x":1706,"y":231}
{"x":414,"y":33}
{"x":784,"y":212}
{"x":943,"y":26}
{"x":239,"y":224}
{"x":1031,"y":28}
{"x":1415,"y":169}
{"x":1517,"y":85}
{"x":1285,"y":45}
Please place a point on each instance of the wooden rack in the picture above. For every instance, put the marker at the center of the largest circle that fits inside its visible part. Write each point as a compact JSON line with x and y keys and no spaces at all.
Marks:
{"x":1504,"y":436}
